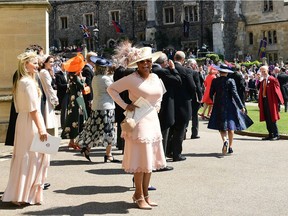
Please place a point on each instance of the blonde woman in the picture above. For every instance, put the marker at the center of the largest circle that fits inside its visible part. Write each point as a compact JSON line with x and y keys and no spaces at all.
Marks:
{"x":28,"y":169}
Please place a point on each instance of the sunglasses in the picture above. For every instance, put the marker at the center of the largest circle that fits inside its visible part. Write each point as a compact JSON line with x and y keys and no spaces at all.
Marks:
{"x":146,"y":60}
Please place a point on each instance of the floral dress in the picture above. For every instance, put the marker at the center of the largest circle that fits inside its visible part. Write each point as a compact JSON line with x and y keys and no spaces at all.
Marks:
{"x":76,"y":105}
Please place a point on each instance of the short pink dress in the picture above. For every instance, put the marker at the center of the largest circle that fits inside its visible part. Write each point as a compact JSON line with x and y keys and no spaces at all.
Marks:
{"x":143,"y":150}
{"x":28,"y":169}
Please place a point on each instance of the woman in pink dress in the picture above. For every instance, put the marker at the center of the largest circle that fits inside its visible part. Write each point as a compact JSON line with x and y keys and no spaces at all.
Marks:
{"x":28,"y":169}
{"x":206,"y":100}
{"x":143,"y":146}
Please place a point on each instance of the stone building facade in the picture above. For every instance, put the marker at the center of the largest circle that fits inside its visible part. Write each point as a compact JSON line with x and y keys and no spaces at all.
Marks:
{"x":155,"y":22}
{"x":231,"y":28}
{"x":22,"y":23}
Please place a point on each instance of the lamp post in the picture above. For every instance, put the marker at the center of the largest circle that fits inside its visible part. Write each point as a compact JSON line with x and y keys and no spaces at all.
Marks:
{"x":96,"y":37}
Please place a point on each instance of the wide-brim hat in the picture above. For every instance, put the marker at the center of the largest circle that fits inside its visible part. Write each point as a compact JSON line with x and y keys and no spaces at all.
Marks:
{"x":223,"y":68}
{"x":142,"y":54}
{"x":75,"y":64}
{"x":100,"y":61}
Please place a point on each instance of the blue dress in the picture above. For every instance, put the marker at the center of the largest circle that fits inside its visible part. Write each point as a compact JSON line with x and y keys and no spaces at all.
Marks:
{"x":226,"y":113}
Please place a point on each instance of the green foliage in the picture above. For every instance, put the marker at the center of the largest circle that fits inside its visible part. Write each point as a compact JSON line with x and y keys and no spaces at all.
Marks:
{"x":213,"y":57}
{"x":249,"y":64}
{"x":260,"y":127}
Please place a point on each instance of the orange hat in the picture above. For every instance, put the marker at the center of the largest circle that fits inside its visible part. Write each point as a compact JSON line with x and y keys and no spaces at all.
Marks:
{"x":75,"y":64}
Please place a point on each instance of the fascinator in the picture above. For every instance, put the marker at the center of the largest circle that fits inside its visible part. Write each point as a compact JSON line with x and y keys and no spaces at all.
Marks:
{"x":75,"y":64}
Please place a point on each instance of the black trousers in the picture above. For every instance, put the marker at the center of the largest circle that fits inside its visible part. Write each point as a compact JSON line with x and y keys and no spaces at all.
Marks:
{"x":175,"y":138}
{"x":271,"y":126}
{"x":195,"y":120}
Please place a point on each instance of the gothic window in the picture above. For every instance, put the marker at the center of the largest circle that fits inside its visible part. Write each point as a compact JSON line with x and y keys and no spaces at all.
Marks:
{"x":88,"y":19}
{"x":268,"y":5}
{"x":63,"y":22}
{"x":115,"y":15}
{"x":191,"y":13}
{"x":141,"y":14}
{"x":274,"y":37}
{"x":169,"y":16}
{"x":269,"y":37}
{"x":250,"y":38}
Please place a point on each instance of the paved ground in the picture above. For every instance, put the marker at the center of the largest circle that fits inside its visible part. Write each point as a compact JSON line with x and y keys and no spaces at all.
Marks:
{"x":251,"y":182}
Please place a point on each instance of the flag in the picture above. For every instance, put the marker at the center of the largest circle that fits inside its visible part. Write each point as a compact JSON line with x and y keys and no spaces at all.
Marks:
{"x":86,"y":31}
{"x":262,"y":48}
{"x":117,"y":26}
{"x":186,"y":28}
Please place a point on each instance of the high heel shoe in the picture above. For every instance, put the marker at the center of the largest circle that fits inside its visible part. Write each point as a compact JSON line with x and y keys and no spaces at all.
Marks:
{"x":150,"y":187}
{"x":108,"y":158}
{"x":147,"y":199}
{"x":85,"y":152}
{"x":141,"y":203}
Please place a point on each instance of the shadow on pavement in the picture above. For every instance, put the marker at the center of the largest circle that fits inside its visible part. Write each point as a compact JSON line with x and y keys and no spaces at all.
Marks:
{"x":216,"y":155}
{"x":106,"y":171}
{"x":91,"y":208}
{"x":90,"y":190}
{"x":71,"y":162}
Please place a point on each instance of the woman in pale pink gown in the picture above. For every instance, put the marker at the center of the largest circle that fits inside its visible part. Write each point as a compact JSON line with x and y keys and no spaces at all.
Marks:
{"x":143,"y":146}
{"x":28,"y":169}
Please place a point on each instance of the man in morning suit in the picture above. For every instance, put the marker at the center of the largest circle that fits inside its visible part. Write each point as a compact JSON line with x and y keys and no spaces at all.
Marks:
{"x":269,"y":95}
{"x":165,"y":69}
{"x":283,"y":81}
{"x":62,"y":85}
{"x":88,"y":73}
{"x":196,"y":97}
{"x":182,"y":99}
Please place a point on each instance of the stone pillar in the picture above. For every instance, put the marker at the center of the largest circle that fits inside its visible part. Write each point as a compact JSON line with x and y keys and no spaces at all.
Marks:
{"x":217,"y":27}
{"x":151,"y":20}
{"x":30,"y":25}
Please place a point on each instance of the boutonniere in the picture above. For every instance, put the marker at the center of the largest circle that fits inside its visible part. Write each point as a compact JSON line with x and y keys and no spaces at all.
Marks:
{"x":268,"y":81}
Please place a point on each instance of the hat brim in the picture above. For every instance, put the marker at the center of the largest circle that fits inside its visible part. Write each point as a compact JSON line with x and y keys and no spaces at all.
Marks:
{"x":100,"y":61}
{"x":223,"y":70}
{"x":153,"y":56}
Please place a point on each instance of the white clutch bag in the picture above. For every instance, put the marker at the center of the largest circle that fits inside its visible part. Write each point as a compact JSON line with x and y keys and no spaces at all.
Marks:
{"x":50,"y":146}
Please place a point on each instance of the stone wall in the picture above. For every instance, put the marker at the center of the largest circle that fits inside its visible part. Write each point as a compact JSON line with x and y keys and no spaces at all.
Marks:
{"x":131,"y":25}
{"x":22,"y":23}
{"x":257,"y":21}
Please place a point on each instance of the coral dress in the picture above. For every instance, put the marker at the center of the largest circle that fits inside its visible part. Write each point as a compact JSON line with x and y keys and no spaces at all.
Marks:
{"x":143,"y":150}
{"x":207,"y":83}
{"x":28,"y":169}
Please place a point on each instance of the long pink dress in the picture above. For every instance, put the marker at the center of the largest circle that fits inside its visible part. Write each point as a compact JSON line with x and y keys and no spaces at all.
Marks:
{"x":28,"y":169}
{"x":143,"y":150}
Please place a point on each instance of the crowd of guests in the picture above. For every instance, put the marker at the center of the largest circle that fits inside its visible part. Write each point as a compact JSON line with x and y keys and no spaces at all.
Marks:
{"x":93,"y":93}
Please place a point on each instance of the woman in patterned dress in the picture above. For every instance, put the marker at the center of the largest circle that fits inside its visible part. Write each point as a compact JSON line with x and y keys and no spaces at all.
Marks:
{"x":99,"y":128}
{"x":76,"y":104}
{"x":143,"y":146}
